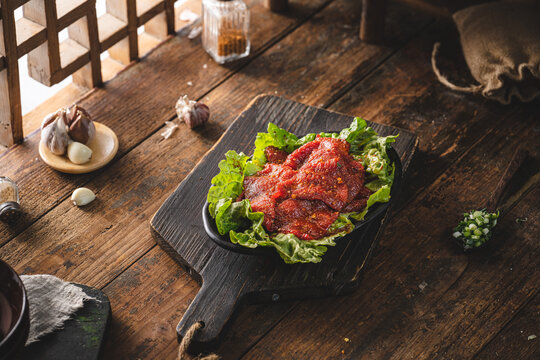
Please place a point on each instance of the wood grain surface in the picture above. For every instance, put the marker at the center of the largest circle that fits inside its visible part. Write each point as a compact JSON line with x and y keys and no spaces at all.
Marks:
{"x":471,"y":305}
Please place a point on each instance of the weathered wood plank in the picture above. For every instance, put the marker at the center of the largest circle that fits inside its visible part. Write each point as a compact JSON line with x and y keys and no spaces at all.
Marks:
{"x":170,"y":67}
{"x":516,"y":340}
{"x":135,"y":333}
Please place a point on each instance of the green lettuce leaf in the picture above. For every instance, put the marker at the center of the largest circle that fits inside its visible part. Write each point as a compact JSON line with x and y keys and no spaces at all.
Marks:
{"x":382,"y":195}
{"x":358,"y":134}
{"x":276,"y":136}
{"x":229,"y":183}
{"x":290,"y":247}
{"x":379,"y":169}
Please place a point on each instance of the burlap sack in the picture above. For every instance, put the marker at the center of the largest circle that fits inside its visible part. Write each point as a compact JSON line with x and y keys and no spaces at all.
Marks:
{"x":501,"y":44}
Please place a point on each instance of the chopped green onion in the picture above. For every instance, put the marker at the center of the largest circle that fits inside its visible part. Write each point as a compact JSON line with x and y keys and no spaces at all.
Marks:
{"x":476,"y":228}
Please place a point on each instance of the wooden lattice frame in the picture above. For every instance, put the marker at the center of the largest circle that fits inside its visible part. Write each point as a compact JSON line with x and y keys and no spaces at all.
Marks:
{"x":50,"y":61}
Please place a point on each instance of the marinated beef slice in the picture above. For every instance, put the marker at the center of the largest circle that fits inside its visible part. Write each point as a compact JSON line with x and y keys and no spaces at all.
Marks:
{"x":304,"y":192}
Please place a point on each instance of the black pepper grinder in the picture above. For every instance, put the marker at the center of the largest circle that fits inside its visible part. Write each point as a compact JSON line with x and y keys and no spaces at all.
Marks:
{"x":10,"y":207}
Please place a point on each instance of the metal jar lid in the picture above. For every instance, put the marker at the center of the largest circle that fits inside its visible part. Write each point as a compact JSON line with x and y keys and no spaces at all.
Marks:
{"x":9,"y":211}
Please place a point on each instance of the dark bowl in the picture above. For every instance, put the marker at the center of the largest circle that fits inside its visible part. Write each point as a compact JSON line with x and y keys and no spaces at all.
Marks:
{"x":14,"y":313}
{"x":373,"y":213}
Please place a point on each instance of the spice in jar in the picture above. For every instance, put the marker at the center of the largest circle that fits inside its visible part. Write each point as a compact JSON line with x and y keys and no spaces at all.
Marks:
{"x":9,"y":199}
{"x":232,"y":41}
{"x":225,"y":29}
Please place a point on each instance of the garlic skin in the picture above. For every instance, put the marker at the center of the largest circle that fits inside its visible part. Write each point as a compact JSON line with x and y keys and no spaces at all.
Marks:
{"x":78,"y":153}
{"x":193,"y":113}
{"x":81,"y":128}
{"x":82,"y":196}
{"x":54,"y":132}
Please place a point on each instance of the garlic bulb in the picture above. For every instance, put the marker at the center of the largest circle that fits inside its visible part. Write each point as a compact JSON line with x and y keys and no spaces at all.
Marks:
{"x":81,"y":128}
{"x":82,"y":196}
{"x":79,"y":153}
{"x":54,"y":132}
{"x":192,"y":112}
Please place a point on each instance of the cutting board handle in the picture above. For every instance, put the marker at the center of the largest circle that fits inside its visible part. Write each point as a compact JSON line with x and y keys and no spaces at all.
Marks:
{"x":213,"y":306}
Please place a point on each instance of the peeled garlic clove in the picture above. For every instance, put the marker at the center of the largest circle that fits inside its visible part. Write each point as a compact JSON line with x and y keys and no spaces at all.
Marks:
{"x":54,"y":133}
{"x":78,"y":153}
{"x":193,"y":113}
{"x":81,"y":128}
{"x":82,"y":196}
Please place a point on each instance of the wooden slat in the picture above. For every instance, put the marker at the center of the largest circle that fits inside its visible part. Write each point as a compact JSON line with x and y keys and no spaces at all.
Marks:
{"x":111,"y":30}
{"x":44,"y":61}
{"x":147,"y":9}
{"x":10,"y":99}
{"x":169,"y":16}
{"x":29,"y":36}
{"x":17,"y":3}
{"x":72,"y":11}
{"x":95,"y":48}
{"x":157,"y":27}
{"x":132,"y":29}
{"x":65,"y":7}
{"x":84,"y":31}
{"x":125,"y":50}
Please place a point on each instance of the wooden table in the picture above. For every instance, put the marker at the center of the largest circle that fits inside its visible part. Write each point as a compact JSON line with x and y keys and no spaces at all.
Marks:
{"x":421,"y":298}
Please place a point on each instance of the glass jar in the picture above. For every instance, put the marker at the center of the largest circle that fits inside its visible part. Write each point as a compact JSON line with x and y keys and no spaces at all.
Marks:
{"x":225,"y":33}
{"x":9,"y":199}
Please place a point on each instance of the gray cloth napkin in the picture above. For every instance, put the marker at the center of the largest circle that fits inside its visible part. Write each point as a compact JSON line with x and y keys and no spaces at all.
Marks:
{"x":501,"y":44}
{"x":52,"y":301}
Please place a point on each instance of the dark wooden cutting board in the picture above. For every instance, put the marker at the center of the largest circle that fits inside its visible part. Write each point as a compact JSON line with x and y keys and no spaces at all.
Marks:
{"x":229,"y":278}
